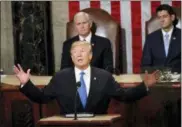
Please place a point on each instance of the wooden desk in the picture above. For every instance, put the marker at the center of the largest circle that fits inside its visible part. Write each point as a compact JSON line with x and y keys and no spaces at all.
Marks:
{"x":16,"y":110}
{"x":97,"y":121}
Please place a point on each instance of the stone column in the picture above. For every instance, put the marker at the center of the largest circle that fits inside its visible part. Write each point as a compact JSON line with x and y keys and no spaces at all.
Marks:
{"x":7,"y":46}
{"x":59,"y":19}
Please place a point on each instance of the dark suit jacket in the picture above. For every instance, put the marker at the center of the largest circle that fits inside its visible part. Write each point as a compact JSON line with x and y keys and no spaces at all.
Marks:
{"x":63,"y":88}
{"x":154,"y":52}
{"x":102,"y":53}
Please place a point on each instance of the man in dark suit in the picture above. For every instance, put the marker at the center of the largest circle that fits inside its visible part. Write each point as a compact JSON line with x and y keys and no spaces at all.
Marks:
{"x":163,"y":47}
{"x":102,"y":52}
{"x":96,"y":90}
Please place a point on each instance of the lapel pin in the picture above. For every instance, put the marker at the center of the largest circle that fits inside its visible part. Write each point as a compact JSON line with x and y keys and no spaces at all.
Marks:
{"x":174,"y":38}
{"x":94,"y":78}
{"x":92,"y":44}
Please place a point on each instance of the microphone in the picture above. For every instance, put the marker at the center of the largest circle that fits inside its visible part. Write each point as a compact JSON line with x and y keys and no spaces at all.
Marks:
{"x":78,"y":84}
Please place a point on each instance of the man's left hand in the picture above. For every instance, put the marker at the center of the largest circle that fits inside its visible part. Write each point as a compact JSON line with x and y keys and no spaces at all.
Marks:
{"x":151,"y":79}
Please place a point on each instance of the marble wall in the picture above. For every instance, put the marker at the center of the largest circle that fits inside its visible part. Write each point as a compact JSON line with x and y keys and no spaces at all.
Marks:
{"x":6,"y":44}
{"x":32,"y":32}
{"x":59,"y":18}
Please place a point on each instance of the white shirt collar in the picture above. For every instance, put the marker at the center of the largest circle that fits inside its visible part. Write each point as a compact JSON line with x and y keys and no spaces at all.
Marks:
{"x":86,"y":71}
{"x":88,"y":38}
{"x":169,"y":32}
{"x":87,"y":77}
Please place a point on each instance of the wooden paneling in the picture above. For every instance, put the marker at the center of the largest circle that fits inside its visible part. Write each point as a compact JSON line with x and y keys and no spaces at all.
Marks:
{"x":161,"y":108}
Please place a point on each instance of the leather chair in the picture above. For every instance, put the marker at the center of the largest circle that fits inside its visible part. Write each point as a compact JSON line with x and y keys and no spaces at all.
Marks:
{"x":153,"y":24}
{"x":105,"y":26}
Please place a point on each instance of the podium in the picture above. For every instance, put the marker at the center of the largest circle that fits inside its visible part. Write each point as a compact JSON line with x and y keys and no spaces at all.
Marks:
{"x":160,"y":108}
{"x":96,"y":121}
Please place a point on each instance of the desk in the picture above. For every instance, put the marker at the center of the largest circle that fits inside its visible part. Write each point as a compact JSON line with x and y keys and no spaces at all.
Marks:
{"x":17,"y":110}
{"x":97,"y":121}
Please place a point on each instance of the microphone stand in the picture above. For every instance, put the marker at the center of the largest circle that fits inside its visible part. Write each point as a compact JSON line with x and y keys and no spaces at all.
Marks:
{"x":75,"y":107}
{"x":75,"y":113}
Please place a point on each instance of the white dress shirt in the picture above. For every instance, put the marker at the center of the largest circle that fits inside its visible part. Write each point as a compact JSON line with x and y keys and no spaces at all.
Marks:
{"x":86,"y":77}
{"x":88,"y":38}
{"x":170,"y":34}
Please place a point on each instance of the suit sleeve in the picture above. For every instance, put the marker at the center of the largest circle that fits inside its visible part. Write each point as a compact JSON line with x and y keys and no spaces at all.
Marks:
{"x":108,"y":57}
{"x":125,"y":94}
{"x":40,"y":95}
{"x":66,"y":58}
{"x":147,"y":55}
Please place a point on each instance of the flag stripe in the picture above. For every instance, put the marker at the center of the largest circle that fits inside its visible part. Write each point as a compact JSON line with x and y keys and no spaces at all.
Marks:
{"x":146,"y":14}
{"x":115,"y":10}
{"x":73,"y":8}
{"x":176,"y":3}
{"x":84,"y":4}
{"x":136,"y":35}
{"x":154,"y":5}
{"x":132,"y":16}
{"x":106,"y":5}
{"x":115,"y":13}
{"x":95,"y":4}
{"x":166,"y":2}
{"x":126,"y":25}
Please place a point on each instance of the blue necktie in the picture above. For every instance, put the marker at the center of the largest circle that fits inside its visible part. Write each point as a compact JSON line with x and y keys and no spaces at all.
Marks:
{"x":166,"y":43}
{"x":82,"y":90}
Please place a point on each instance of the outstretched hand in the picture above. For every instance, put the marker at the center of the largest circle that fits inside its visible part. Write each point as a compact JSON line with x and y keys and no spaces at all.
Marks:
{"x":21,"y":75}
{"x":151,"y":79}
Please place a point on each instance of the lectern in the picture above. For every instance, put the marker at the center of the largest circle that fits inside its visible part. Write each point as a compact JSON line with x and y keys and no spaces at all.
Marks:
{"x":113,"y":120}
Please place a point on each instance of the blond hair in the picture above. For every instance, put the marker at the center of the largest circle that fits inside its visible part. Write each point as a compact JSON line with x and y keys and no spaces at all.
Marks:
{"x":81,"y":43}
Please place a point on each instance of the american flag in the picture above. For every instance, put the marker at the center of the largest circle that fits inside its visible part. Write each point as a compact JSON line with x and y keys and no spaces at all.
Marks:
{"x":131,"y":15}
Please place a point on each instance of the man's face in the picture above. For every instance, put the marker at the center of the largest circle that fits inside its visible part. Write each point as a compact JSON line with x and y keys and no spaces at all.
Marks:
{"x":165,"y":19}
{"x":81,"y":56}
{"x":82,"y":25}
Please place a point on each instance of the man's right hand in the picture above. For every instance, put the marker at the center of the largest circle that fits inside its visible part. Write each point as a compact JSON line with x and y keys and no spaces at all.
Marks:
{"x":21,"y":75}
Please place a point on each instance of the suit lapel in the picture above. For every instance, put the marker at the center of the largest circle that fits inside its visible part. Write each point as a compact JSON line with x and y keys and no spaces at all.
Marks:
{"x":161,"y":44}
{"x":93,"y":87}
{"x":93,"y":43}
{"x":172,"y":45}
{"x":93,"y":40}
{"x":72,"y":80}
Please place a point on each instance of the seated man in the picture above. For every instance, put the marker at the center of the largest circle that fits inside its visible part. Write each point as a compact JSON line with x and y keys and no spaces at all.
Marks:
{"x":163,"y":47}
{"x":97,"y":85}
{"x":102,"y":52}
